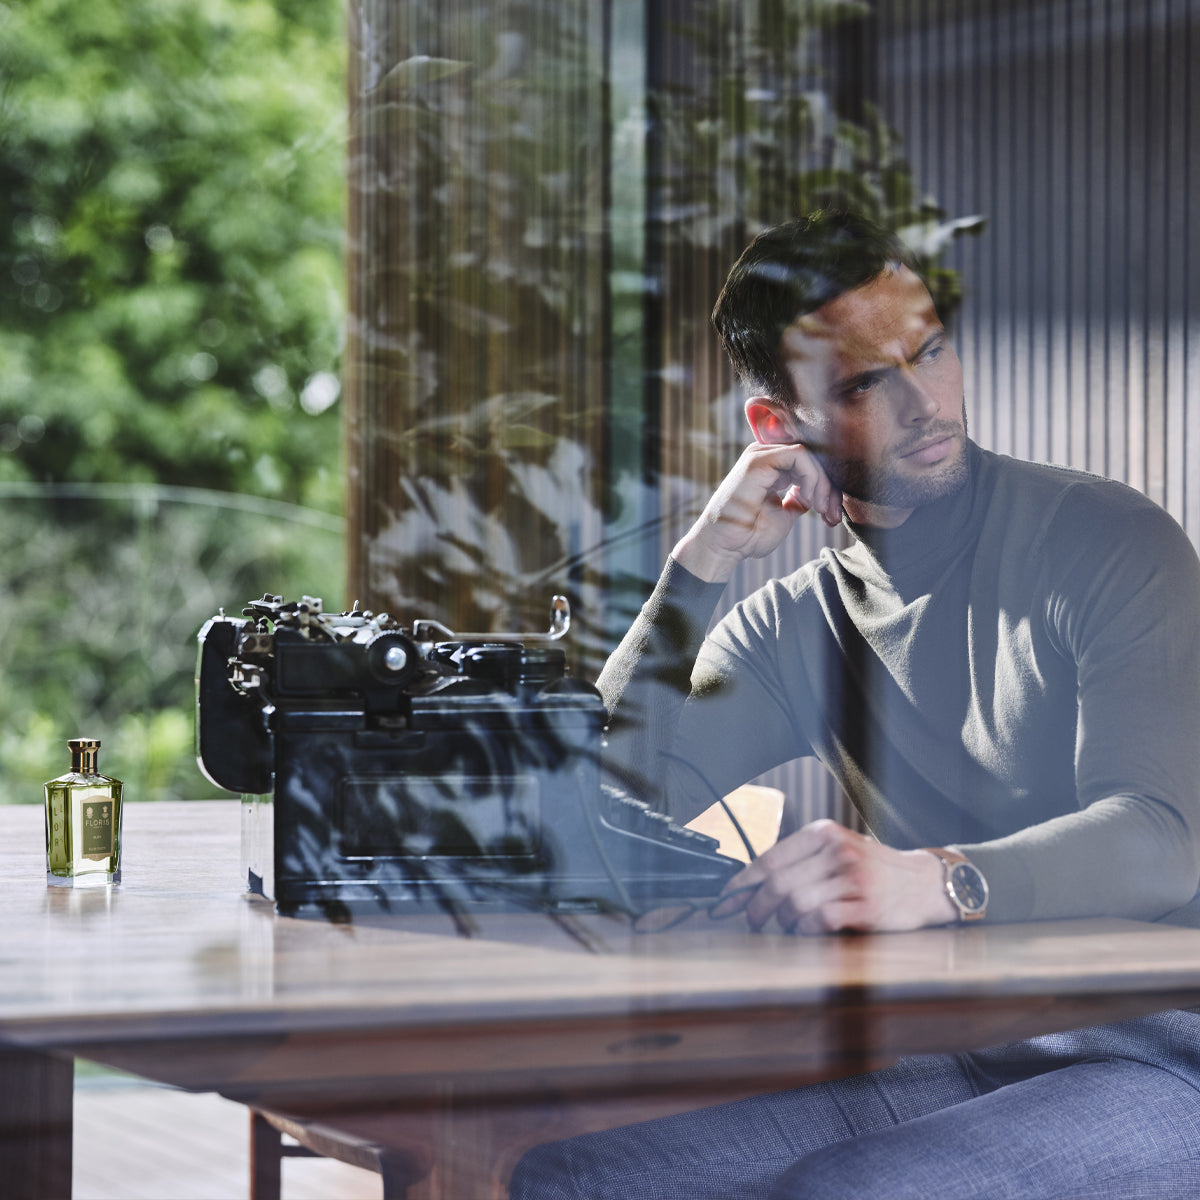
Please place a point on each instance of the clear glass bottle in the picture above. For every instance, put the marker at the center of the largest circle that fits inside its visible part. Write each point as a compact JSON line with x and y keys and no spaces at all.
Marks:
{"x":83,"y":822}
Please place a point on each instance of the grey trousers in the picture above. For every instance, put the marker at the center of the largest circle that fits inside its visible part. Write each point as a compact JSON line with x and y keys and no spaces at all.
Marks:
{"x":1101,"y":1113}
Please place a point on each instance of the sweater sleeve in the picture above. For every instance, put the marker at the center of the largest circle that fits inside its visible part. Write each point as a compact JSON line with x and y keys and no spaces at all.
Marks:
{"x":687,"y":715}
{"x":1122,"y":602}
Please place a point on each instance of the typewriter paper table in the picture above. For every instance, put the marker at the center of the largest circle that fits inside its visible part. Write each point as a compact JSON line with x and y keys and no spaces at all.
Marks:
{"x":476,"y":1048}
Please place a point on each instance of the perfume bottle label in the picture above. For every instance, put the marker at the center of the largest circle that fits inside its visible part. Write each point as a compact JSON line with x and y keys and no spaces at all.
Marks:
{"x":97,"y":828}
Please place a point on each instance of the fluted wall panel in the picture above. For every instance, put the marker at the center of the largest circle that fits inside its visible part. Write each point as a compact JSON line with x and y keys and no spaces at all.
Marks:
{"x":1071,"y":125}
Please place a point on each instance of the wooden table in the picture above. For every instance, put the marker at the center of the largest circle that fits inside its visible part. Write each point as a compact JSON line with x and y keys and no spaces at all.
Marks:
{"x":472,"y":1049}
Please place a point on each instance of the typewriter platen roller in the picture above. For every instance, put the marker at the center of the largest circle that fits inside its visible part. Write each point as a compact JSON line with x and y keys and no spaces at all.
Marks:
{"x":409,"y":768}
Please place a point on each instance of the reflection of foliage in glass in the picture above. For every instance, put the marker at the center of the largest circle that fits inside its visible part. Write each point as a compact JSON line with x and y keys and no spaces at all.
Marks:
{"x":478,"y":301}
{"x":746,"y":133}
{"x":501,"y":294}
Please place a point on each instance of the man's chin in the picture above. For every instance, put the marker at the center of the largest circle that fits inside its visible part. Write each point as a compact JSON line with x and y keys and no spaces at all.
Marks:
{"x":902,"y":484}
{"x":905,"y":490}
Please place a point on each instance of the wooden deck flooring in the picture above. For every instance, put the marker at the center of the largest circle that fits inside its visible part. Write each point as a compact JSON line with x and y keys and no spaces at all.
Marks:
{"x":135,"y":1141}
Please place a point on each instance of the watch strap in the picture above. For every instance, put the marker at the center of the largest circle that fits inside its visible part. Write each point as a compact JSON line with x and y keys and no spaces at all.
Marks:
{"x":968,"y":910}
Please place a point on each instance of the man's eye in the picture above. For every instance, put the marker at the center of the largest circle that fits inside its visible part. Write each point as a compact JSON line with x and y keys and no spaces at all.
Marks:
{"x":862,"y":387}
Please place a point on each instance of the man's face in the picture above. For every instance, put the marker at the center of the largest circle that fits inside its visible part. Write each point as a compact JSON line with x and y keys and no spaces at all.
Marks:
{"x":880,"y":396}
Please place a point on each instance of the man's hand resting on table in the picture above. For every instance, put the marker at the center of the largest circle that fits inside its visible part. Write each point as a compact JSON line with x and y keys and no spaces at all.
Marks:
{"x":825,"y":877}
{"x":754,"y":509}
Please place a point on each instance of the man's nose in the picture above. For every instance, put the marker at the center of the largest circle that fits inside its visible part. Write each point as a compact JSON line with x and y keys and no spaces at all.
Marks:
{"x":916,"y":402}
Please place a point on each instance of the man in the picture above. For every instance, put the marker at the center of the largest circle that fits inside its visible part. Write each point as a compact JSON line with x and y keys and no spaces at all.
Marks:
{"x":1003,"y":673}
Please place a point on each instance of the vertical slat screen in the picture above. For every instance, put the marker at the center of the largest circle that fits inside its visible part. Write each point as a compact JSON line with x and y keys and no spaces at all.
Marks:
{"x":477,"y":347}
{"x":1070,"y":124}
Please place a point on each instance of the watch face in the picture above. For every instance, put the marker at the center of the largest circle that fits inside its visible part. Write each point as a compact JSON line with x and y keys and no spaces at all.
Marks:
{"x":969,"y":886}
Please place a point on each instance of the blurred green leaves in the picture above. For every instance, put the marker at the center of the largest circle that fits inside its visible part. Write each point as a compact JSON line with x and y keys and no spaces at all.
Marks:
{"x":172,"y":194}
{"x":173,"y":222}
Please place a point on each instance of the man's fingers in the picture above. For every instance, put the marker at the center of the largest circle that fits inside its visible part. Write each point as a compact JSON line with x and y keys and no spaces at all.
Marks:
{"x":788,"y":894}
{"x":832,"y":917}
{"x":794,"y":463}
{"x":809,"y":488}
{"x":802,"y":882}
{"x":755,"y":508}
{"x":825,"y":877}
{"x":793,"y":500}
{"x":824,"y":905}
{"x":796,"y":499}
{"x":832,"y":513}
{"x":806,"y":841}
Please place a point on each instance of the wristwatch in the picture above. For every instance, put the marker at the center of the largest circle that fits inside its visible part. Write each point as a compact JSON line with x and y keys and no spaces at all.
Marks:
{"x":965,"y":884}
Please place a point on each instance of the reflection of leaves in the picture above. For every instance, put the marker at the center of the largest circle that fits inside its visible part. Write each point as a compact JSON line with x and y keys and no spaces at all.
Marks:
{"x":460,"y":822}
{"x":734,"y":151}
{"x":474,"y":319}
{"x":525,"y":437}
{"x":772,"y":143}
{"x":931,"y":238}
{"x":508,"y":425}
{"x":419,"y":71}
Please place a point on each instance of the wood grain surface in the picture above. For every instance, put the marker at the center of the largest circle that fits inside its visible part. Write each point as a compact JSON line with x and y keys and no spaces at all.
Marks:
{"x":529,"y":1028}
{"x":180,"y":944}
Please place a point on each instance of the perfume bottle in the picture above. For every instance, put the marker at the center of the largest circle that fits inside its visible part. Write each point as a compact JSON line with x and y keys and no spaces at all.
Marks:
{"x":83,"y":822}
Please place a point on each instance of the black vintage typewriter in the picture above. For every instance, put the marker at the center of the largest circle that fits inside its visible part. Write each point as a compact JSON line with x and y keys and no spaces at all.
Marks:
{"x":410,"y":768}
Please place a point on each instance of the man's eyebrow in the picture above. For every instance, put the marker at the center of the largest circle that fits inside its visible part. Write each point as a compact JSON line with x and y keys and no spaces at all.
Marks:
{"x":851,"y":381}
{"x":936,"y":335}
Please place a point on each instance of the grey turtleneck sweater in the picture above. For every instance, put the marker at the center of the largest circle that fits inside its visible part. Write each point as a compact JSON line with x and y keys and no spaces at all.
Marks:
{"x":1014,"y":671}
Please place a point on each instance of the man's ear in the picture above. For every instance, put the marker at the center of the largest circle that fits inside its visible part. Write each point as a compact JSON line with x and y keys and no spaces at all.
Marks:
{"x":772,"y":425}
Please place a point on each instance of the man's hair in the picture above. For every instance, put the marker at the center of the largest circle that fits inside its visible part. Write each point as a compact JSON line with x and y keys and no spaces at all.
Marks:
{"x":786,"y":272}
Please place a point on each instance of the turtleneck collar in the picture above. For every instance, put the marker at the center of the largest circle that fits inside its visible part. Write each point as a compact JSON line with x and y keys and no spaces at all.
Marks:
{"x":932,"y":535}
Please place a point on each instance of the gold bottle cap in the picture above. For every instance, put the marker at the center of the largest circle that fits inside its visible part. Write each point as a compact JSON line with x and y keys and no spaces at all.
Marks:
{"x":85,"y":754}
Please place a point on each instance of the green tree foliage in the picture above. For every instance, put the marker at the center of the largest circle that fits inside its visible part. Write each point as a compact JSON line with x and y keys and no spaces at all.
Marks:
{"x":172,"y":175}
{"x":171,"y":227}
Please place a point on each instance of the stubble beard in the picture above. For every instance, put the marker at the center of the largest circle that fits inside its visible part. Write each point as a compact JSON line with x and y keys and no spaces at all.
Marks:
{"x":885,"y":485}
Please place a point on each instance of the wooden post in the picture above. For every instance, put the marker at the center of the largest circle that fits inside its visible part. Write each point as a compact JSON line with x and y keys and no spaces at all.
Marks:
{"x":35,"y":1124}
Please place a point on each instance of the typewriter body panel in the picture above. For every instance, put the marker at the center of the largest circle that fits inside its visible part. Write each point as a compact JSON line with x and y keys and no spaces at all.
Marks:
{"x":385,"y":768}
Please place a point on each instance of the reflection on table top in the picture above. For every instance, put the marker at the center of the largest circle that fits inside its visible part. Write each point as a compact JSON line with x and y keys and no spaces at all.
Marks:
{"x":180,"y":944}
